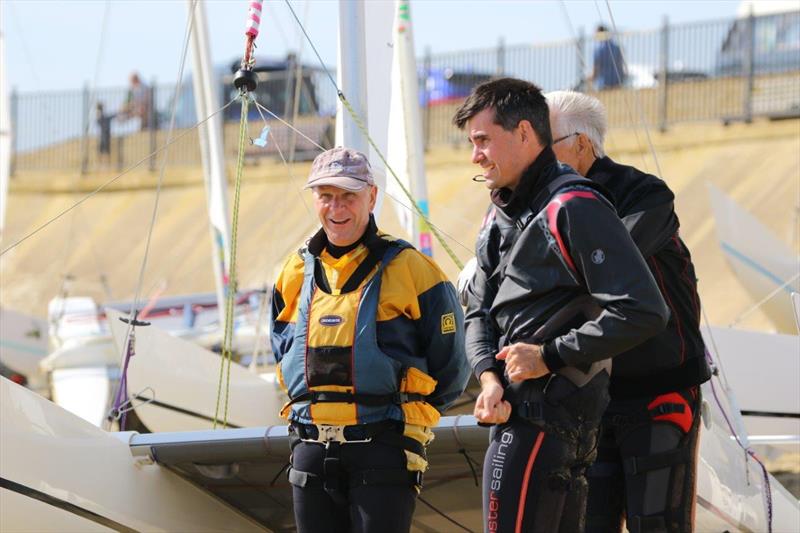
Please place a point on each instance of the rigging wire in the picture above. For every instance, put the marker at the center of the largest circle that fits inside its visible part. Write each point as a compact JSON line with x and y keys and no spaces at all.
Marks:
{"x":114,"y":179}
{"x":636,"y":97}
{"x":764,"y":300}
{"x":298,"y":86}
{"x":127,"y":351}
{"x":401,"y":202}
{"x":358,"y":121}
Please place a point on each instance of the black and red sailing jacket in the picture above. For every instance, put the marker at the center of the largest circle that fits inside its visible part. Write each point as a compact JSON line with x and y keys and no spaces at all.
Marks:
{"x":546,"y":247}
{"x":675,"y":358}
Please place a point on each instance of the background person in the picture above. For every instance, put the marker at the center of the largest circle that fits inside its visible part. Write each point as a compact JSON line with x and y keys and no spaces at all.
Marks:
{"x":608,"y":66}
{"x":647,"y":456}
{"x":104,"y":125}
{"x":369,"y":338}
{"x":559,"y":289}
{"x":138,"y":102}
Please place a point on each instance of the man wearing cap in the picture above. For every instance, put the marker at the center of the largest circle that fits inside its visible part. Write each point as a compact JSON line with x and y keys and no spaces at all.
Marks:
{"x":368,"y":335}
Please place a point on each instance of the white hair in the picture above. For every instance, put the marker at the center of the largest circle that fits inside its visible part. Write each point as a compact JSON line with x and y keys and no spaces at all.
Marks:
{"x":575,"y":112}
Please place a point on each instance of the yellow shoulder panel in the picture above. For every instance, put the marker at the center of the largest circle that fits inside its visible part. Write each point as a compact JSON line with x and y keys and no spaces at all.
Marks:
{"x":406,"y":277}
{"x":289,"y":285}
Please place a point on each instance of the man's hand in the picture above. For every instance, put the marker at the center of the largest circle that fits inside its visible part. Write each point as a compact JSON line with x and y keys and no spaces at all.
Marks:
{"x":523,"y":361}
{"x":490,"y":408}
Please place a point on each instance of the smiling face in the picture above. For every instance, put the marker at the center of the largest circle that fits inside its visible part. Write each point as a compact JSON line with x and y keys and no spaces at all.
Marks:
{"x":502,"y":154}
{"x":344,"y":214}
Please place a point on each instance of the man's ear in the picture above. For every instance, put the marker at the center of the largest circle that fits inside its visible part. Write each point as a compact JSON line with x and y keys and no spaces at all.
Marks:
{"x":584,"y":144}
{"x":527,"y":133}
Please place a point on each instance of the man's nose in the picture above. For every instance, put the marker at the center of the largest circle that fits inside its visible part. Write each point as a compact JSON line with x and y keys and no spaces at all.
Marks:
{"x":477,"y":155}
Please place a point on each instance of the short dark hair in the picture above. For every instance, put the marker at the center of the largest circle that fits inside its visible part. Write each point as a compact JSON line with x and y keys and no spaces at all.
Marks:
{"x":513,"y":101}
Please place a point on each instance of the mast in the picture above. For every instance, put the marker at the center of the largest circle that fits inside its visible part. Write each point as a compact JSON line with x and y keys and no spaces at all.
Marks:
{"x":352,"y":74}
{"x":207,"y":100}
{"x":5,"y":137}
{"x":406,"y":150}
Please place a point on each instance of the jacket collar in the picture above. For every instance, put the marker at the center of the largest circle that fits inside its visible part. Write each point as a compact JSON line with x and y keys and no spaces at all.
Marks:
{"x":601,"y":170}
{"x":532,"y":180}
{"x":319,"y":241}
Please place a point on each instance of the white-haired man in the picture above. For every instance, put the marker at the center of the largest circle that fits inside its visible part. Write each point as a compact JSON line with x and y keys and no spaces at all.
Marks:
{"x":645,"y":468}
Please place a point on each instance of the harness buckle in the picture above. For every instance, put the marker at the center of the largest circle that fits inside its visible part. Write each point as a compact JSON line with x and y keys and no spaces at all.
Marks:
{"x":327,"y":434}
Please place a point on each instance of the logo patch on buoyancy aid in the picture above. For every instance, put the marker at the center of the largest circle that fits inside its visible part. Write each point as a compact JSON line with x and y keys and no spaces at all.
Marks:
{"x":448,"y":323}
{"x":331,"y":320}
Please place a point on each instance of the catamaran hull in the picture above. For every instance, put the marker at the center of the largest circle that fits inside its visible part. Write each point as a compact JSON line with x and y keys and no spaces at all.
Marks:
{"x":60,"y":473}
{"x":173,"y":385}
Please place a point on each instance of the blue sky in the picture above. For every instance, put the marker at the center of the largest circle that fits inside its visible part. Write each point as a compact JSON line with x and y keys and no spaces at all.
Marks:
{"x":54,"y":45}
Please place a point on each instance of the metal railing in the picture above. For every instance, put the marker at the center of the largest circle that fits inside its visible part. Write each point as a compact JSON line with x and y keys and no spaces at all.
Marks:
{"x":725,"y":70}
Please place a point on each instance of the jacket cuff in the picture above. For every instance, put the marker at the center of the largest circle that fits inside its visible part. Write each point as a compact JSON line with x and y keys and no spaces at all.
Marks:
{"x":551,"y":357}
{"x":485,"y":364}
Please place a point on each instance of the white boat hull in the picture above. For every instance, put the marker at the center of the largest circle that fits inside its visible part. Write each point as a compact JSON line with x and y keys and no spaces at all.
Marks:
{"x":183,"y":380}
{"x":60,"y":473}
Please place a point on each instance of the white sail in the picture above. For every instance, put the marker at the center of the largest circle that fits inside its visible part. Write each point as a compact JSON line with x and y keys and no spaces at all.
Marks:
{"x":206,"y":98}
{"x":405,"y":144}
{"x":762,"y":263}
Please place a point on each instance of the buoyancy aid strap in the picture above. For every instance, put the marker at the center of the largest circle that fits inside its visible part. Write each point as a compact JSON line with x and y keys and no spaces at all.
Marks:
{"x":375,"y":253}
{"x":370,"y":400}
{"x":363,"y":270}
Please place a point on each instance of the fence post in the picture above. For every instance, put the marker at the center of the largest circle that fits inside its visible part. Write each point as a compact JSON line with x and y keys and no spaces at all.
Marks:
{"x":580,"y":46}
{"x":153,"y":123}
{"x":749,"y":67}
{"x":426,"y":116}
{"x":501,"y":57}
{"x":14,"y":130}
{"x":120,"y":155}
{"x":663,"y":86}
{"x":85,"y":126}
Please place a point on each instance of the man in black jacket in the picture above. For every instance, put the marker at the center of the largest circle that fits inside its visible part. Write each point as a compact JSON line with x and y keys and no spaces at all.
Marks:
{"x":560,"y":288}
{"x":647,"y":453}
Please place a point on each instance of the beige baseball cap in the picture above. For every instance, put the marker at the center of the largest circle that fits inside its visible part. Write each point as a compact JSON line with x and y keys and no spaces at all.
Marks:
{"x":341,"y":167}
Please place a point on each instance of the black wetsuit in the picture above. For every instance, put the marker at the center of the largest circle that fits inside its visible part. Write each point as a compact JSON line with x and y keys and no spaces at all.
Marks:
{"x":647,"y":453}
{"x":548,"y":246}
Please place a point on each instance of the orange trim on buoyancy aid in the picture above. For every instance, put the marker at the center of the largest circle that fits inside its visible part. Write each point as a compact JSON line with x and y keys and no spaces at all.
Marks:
{"x":335,"y":351}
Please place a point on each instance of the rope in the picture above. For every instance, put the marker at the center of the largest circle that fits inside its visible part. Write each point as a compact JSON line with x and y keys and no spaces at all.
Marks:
{"x":362,"y":128}
{"x":225,"y":362}
{"x":443,"y":514}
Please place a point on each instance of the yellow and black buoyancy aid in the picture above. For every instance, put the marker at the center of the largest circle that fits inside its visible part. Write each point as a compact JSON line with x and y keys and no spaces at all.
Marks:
{"x":335,"y":372}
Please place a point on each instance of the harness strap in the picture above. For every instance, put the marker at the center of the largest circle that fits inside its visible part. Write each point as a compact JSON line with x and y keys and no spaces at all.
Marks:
{"x":302,"y":479}
{"x":386,"y":477}
{"x":393,"y":438}
{"x":532,"y":411}
{"x":386,"y":432}
{"x":640,"y":524}
{"x":369,"y":400}
{"x":639,"y":465}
